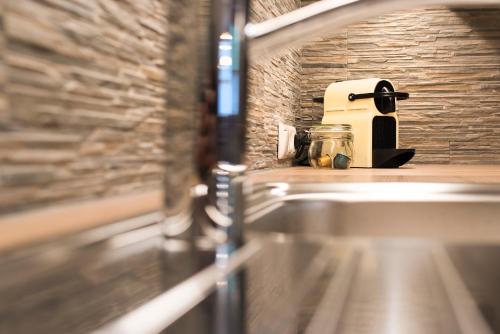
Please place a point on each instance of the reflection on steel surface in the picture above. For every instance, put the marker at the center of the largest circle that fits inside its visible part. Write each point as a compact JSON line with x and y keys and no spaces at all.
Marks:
{"x":421,"y":210}
{"x":162,"y":311}
{"x":318,"y":285}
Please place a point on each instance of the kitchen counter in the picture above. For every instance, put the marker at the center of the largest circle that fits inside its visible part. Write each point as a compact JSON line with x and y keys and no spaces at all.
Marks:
{"x":411,"y":173}
{"x":24,"y":228}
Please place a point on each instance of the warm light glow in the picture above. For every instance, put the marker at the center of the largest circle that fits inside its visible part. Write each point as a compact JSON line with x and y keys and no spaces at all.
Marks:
{"x":225,"y":61}
{"x":226,"y":36}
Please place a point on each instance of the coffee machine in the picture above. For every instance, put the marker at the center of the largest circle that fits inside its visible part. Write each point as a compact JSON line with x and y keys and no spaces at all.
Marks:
{"x":369,"y":106}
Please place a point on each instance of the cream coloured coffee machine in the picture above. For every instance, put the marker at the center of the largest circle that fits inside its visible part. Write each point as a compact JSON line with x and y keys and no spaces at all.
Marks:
{"x":369,"y":106}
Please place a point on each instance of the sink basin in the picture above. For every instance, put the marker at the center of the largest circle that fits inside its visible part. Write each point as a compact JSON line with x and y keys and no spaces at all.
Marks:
{"x":337,"y":258}
{"x":305,"y":284}
{"x":345,"y":258}
{"x":457,"y":212}
{"x":428,"y":253}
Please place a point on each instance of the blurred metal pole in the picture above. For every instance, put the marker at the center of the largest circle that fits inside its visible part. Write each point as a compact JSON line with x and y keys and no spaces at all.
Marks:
{"x":327,"y":17}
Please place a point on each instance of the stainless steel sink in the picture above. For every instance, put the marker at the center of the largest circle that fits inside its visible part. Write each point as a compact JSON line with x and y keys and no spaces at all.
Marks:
{"x":313,"y":284}
{"x":427,"y":252}
{"x":459,"y":212}
{"x":346,"y":258}
{"x":319,"y":258}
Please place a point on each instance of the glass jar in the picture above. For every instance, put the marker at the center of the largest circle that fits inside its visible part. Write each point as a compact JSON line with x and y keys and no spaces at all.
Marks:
{"x":331,"y":146}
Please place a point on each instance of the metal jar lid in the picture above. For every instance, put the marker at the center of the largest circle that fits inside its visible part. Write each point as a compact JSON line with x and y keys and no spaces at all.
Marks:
{"x":325,"y":129}
{"x":331,"y":131}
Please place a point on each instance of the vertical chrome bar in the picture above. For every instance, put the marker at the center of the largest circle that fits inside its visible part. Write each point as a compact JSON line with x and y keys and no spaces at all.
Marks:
{"x":230,"y":68}
{"x":206,"y":98}
{"x":229,"y":304}
{"x":226,"y":193}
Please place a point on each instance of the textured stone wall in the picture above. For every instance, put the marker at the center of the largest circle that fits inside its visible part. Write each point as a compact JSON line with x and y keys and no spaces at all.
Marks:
{"x":85,"y":91}
{"x":273,"y":93}
{"x":449,"y":60}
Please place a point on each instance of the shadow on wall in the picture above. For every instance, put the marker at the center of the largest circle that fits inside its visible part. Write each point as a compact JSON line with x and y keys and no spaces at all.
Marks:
{"x":449,"y":60}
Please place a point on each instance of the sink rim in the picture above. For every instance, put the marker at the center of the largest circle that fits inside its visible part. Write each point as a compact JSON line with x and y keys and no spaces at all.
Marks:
{"x":266,"y":198}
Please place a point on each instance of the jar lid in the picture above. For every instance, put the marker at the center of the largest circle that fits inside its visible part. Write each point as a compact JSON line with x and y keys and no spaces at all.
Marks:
{"x":325,"y":129}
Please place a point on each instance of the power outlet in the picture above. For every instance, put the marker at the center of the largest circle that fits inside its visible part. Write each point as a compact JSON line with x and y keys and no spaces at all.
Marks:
{"x":286,"y":135}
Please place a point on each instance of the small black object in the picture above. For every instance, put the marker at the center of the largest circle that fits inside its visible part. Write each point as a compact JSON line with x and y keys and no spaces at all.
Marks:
{"x":384,"y":132}
{"x":341,"y":161}
{"x":397,"y":95}
{"x":319,"y":99}
{"x":391,"y":157}
{"x":301,"y":141}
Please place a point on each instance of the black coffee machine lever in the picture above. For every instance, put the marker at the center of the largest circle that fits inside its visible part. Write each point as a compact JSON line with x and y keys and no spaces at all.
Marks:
{"x":397,"y":95}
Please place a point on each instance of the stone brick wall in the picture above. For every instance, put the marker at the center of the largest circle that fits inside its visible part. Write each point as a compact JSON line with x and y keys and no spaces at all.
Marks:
{"x":273,"y":93}
{"x":85,"y":89}
{"x":449,"y":60}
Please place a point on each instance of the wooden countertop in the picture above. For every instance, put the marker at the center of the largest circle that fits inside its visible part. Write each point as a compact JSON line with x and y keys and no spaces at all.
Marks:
{"x":411,"y":173}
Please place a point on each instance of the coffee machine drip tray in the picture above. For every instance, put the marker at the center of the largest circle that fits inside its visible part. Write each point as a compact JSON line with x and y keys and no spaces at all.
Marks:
{"x":391,"y":157}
